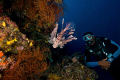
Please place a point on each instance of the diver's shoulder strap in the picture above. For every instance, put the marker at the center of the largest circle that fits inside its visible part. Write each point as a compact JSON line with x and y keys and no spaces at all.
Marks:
{"x":101,"y":40}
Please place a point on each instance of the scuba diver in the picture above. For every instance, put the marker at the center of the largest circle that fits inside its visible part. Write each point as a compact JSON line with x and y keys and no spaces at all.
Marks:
{"x":102,"y":52}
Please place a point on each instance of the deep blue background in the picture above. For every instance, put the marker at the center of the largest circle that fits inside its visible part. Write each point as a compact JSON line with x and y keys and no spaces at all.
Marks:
{"x":102,"y":17}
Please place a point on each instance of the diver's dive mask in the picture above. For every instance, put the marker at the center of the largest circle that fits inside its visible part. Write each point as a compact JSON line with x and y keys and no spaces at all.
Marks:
{"x":87,"y":38}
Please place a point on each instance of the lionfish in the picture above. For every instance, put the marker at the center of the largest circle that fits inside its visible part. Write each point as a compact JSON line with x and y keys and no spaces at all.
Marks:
{"x":59,"y":40}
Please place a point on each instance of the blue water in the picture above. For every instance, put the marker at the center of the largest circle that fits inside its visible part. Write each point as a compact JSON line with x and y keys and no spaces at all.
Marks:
{"x":102,"y":17}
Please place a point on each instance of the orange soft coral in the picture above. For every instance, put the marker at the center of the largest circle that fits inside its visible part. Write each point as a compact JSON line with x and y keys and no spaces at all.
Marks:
{"x":42,"y":11}
{"x":29,"y":63}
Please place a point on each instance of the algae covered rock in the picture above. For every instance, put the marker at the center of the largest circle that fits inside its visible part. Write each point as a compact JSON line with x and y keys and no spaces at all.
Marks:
{"x":70,"y":71}
{"x":11,"y":39}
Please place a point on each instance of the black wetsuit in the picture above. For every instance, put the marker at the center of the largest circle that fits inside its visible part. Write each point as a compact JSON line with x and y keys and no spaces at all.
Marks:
{"x":100,"y":50}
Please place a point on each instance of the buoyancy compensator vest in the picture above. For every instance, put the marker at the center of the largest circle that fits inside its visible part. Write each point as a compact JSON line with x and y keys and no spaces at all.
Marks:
{"x":102,"y":48}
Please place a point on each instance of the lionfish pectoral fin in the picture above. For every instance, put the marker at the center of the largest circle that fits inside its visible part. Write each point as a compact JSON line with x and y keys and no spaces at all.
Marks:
{"x":54,"y":39}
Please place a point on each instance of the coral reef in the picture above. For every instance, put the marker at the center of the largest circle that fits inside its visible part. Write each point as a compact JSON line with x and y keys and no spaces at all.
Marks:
{"x":53,"y":77}
{"x":4,"y":61}
{"x":44,"y":12}
{"x":58,"y":1}
{"x":29,"y":61}
{"x":11,"y":39}
{"x":32,"y":60}
{"x":29,"y":64}
{"x":35,"y":18}
{"x":67,"y":70}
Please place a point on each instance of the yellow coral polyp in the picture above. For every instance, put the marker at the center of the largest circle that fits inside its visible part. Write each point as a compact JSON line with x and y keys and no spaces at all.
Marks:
{"x":26,"y":38}
{"x":31,"y":44}
{"x":10,"y":42}
{"x":15,"y":39}
{"x":3,"y":24}
{"x":16,"y":29}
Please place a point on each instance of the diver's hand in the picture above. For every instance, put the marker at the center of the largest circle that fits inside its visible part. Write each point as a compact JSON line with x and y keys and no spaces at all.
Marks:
{"x":104,"y":63}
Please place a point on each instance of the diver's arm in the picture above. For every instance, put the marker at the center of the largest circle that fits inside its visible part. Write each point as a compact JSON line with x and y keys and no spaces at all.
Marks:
{"x":116,"y":53}
{"x":91,"y":64}
{"x":103,"y":63}
{"x":88,"y":61}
